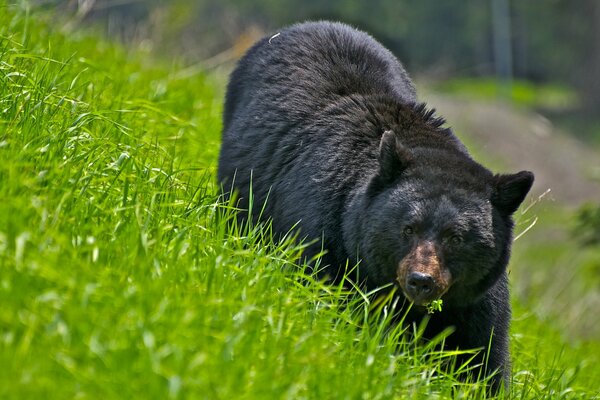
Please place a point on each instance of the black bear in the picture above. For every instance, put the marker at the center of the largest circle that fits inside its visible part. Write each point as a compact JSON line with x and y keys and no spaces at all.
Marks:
{"x":322,"y":129}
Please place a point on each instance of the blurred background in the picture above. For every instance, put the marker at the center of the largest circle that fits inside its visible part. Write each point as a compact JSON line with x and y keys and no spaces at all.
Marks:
{"x":518,"y":81}
{"x":554,"y":42}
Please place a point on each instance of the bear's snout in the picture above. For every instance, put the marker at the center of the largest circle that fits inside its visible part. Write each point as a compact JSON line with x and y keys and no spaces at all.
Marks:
{"x":421,"y":275}
{"x":419,"y":285}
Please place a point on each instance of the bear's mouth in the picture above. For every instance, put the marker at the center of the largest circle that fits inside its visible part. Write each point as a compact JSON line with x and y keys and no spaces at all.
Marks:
{"x":422,"y":299}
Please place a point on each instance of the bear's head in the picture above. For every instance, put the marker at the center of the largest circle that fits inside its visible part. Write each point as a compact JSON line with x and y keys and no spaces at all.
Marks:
{"x":436,"y":223}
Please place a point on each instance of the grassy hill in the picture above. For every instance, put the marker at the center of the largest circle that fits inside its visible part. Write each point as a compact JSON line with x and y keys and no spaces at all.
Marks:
{"x":119,"y":276}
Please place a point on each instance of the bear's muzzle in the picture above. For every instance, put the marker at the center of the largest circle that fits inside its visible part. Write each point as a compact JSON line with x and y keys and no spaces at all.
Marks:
{"x":421,"y":275}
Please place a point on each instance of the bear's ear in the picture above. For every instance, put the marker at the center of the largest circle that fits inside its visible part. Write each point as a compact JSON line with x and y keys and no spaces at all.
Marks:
{"x":510,"y":191}
{"x":393,"y":158}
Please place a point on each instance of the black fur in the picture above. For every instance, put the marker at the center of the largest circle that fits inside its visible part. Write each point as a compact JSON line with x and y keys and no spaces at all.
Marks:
{"x":324,"y":122}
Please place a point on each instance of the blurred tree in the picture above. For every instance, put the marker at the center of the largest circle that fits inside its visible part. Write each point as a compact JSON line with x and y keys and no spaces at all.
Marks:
{"x":590,"y":84}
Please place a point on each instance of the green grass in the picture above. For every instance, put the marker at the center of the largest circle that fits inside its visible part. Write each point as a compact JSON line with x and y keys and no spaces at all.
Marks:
{"x":121,"y":276}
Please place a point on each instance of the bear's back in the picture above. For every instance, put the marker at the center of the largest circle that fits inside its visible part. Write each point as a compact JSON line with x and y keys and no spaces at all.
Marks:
{"x":308,"y":66}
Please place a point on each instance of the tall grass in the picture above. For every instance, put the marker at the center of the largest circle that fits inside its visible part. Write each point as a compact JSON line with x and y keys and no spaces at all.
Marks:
{"x":122,"y":274}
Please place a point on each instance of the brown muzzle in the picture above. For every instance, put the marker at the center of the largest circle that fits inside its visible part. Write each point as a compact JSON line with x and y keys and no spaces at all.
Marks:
{"x":422,"y":276}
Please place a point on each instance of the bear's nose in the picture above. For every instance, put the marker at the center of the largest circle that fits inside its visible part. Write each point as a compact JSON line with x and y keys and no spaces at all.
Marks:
{"x":419,"y":285}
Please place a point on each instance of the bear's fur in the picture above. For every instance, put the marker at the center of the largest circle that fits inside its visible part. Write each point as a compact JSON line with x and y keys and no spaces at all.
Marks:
{"x":322,"y":126}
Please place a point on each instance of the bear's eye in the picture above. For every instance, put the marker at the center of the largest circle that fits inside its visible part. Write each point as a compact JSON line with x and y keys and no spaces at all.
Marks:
{"x":408,"y":230}
{"x":455,"y":239}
